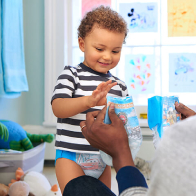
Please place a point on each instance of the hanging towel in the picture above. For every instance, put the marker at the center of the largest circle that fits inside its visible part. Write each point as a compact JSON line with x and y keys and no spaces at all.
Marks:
{"x":12,"y":50}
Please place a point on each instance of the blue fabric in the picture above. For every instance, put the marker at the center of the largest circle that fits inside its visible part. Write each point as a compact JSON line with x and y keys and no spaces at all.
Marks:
{"x":12,"y":70}
{"x":128,"y":177}
{"x":65,"y":154}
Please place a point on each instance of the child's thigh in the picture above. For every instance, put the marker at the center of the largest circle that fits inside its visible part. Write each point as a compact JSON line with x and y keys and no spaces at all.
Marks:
{"x":106,"y":177}
{"x":66,"y":170}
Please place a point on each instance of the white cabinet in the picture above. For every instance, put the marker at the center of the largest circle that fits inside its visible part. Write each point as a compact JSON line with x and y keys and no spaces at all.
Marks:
{"x":147,"y":148}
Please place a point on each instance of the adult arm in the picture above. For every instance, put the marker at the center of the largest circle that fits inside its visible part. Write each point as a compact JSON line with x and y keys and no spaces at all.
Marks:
{"x":113,"y":140}
{"x":184,"y":110}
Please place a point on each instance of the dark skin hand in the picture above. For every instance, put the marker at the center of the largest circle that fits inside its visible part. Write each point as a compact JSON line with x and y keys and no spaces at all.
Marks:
{"x":111,"y":138}
{"x":184,"y":110}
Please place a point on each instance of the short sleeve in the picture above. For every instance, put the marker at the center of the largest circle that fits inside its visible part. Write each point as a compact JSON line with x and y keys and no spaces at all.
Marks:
{"x":66,"y":84}
{"x":125,"y":91}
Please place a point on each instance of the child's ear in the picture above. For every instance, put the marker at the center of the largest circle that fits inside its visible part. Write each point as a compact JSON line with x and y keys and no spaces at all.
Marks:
{"x":81,"y":44}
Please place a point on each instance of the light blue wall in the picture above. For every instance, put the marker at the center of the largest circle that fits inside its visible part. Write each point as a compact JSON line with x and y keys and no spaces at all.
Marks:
{"x":29,"y":107}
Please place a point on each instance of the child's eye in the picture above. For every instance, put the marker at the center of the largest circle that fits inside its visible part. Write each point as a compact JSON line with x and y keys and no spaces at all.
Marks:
{"x":115,"y":51}
{"x":99,"y":49}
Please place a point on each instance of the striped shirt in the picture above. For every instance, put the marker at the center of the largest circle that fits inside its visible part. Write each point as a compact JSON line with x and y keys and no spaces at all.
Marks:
{"x":76,"y":82}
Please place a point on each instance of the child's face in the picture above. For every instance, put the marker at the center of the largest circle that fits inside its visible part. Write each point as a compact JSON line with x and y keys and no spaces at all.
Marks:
{"x":102,"y":49}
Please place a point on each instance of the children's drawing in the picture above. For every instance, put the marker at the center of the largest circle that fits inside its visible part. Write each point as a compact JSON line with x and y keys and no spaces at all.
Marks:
{"x":140,"y":17}
{"x":182,"y":72}
{"x":88,"y":5}
{"x":139,"y":74}
{"x":181,"y":18}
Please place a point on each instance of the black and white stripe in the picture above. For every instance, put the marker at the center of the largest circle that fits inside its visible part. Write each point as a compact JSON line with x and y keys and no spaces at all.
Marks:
{"x":77,"y":82}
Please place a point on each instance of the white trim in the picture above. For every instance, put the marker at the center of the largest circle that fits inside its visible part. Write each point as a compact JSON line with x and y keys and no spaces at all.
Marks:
{"x":37,"y":129}
{"x":55,"y":50}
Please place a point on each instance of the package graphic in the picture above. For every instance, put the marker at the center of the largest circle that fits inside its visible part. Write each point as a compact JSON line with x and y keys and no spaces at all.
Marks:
{"x":92,"y":164}
{"x":124,"y":108}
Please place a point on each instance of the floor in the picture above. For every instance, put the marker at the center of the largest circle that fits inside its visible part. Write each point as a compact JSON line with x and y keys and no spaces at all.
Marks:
{"x":49,"y":172}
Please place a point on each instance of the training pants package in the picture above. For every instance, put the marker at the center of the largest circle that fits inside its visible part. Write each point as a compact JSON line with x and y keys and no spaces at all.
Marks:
{"x":124,"y":108}
{"x":161,"y":114}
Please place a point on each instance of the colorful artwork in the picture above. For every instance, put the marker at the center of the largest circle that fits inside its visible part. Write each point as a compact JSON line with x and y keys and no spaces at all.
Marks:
{"x":140,"y":17}
{"x":181,"y":18}
{"x":88,"y":5}
{"x":182,"y":72}
{"x":139,"y":74}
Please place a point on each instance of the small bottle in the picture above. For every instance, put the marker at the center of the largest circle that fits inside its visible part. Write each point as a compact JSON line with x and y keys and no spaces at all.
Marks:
{"x":125,"y":110}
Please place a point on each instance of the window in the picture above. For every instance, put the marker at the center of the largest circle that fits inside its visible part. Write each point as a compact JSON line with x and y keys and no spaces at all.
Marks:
{"x":171,"y":60}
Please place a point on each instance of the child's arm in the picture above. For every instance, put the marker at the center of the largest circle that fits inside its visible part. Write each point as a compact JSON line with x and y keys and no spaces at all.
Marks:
{"x":66,"y":107}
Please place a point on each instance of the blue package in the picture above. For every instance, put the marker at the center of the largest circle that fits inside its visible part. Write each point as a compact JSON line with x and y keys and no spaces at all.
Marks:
{"x":161,"y":114}
{"x":125,"y":110}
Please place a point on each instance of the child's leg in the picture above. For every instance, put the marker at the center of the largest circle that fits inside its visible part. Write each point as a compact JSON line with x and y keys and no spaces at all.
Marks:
{"x":66,"y":170}
{"x":106,"y":177}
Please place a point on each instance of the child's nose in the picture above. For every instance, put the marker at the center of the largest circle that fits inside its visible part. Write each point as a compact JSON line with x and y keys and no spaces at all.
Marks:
{"x":107,"y":56}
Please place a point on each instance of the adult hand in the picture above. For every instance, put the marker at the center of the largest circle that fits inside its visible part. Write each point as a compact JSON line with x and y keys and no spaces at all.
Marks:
{"x":184,"y":110}
{"x":111,"y":138}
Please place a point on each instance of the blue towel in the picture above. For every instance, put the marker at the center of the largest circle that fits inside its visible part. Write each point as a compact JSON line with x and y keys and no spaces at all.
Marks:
{"x":12,"y":68}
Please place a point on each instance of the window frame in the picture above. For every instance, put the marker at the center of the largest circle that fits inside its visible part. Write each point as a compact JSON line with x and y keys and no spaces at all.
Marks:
{"x":58,"y":44}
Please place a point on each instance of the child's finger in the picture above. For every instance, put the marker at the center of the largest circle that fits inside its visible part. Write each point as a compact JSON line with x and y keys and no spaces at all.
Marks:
{"x":108,"y":82}
{"x":110,"y":86}
{"x":106,"y":85}
{"x":100,"y":86}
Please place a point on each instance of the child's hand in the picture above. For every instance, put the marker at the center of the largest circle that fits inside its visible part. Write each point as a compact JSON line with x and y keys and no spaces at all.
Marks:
{"x":98,"y":96}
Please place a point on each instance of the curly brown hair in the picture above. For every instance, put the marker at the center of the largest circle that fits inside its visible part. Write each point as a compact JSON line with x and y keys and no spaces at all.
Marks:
{"x":105,"y":18}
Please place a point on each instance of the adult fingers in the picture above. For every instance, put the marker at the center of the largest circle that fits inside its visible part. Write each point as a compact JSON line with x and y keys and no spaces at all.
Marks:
{"x":184,"y":110}
{"x":101,"y":115}
{"x":90,"y":118}
{"x":82,"y":124}
{"x":113,"y":117}
{"x":83,"y":128}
